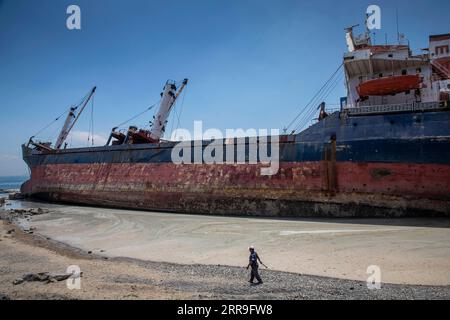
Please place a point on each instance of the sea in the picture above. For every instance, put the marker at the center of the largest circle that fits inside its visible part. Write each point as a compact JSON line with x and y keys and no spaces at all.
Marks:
{"x":11,"y":183}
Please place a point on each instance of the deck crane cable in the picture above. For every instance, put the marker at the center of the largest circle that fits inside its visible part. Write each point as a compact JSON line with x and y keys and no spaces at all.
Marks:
{"x":310,"y":103}
{"x":309,"y":117}
{"x":306,"y":117}
{"x":314,"y":97}
{"x":91,"y":124}
{"x":50,"y":136}
{"x":59,"y":117}
{"x":322,"y":97}
{"x":92,"y":119}
{"x":181,"y":108}
{"x":327,"y":90}
{"x":172,"y":117}
{"x":139,"y":114}
{"x":176,"y":113}
{"x":51,"y":123}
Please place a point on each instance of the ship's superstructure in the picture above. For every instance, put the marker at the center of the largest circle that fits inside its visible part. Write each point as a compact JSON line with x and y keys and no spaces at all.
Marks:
{"x":385,"y":153}
{"x":380,"y":75}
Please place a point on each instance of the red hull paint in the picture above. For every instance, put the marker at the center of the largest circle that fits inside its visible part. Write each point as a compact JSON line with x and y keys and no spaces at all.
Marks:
{"x":240,"y":189}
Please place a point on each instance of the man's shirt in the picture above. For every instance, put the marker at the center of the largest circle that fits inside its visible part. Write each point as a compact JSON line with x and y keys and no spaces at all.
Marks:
{"x":253,"y":259}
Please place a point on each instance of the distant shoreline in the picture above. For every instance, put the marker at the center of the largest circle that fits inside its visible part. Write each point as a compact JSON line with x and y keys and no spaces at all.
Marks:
{"x":11,"y":183}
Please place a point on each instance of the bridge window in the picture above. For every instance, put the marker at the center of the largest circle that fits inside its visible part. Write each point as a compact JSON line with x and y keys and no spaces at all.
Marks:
{"x":441,"y":50}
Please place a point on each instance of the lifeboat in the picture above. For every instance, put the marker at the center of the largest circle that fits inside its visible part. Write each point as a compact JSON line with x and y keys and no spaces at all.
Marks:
{"x":389,"y":85}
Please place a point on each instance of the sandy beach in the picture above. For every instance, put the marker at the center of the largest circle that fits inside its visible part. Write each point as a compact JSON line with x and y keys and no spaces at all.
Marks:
{"x":122,"y":278}
{"x":408,"y":251}
{"x":140,"y":255}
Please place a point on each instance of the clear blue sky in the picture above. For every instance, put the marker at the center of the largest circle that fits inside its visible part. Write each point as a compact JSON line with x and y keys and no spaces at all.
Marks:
{"x":251,"y":63}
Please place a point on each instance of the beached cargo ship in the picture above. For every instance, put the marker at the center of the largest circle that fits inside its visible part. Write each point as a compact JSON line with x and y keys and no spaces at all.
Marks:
{"x":386,"y":152}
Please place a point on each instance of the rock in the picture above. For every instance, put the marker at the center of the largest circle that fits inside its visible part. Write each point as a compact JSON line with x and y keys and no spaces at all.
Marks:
{"x":2,"y":201}
{"x":15,"y":214}
{"x":16,"y":196}
{"x":42,"y":277}
{"x":3,"y":297}
{"x":61,"y":277}
{"x":10,"y":231}
{"x":38,"y":211}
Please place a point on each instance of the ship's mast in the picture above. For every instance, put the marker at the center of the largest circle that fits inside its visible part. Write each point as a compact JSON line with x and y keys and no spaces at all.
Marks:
{"x":350,"y":38}
{"x":169,"y":96}
{"x":71,"y":119}
{"x":357,"y":42}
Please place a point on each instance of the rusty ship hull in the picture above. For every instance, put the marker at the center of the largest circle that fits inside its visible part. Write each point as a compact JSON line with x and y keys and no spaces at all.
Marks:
{"x":371,"y":165}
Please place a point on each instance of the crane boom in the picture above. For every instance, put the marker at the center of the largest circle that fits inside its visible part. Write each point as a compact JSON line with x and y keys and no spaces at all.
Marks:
{"x":71,"y":119}
{"x":169,"y":96}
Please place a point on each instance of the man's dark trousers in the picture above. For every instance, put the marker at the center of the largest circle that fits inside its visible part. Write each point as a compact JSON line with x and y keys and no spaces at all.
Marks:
{"x":254,"y":274}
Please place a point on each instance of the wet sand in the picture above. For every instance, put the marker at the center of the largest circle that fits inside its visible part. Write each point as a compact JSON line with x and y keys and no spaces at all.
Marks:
{"x":125,"y":278}
{"x":141,"y":255}
{"x":408,"y":251}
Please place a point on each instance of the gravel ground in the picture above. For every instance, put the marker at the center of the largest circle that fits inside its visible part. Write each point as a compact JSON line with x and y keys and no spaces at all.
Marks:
{"x":223,"y":282}
{"x":23,"y":251}
{"x":408,"y":251}
{"x":125,"y":278}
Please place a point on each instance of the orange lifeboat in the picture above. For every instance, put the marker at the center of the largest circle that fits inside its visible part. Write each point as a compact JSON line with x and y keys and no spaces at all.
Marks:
{"x":389,"y":85}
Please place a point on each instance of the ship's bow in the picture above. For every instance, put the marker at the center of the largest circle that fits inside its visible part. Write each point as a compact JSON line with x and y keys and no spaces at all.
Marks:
{"x":26,"y":187}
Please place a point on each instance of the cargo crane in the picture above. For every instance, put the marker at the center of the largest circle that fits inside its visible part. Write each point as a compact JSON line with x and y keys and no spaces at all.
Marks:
{"x":69,"y":123}
{"x":71,"y":119}
{"x":169,"y":96}
{"x":134,"y":135}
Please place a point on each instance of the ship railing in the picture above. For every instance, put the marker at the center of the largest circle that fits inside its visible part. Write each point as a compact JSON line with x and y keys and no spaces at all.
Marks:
{"x":332,"y":110}
{"x":393,"y":108}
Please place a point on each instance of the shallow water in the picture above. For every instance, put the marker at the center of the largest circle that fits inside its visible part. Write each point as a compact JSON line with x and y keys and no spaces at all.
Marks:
{"x":11,"y":183}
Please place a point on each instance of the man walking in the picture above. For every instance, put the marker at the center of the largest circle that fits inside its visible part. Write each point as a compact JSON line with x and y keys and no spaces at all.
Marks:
{"x":253,"y":263}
